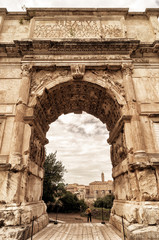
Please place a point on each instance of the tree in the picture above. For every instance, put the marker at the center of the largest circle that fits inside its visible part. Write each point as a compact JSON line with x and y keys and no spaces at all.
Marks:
{"x":106,"y":201}
{"x":54,"y":193}
{"x":54,"y":171}
{"x":70,"y":203}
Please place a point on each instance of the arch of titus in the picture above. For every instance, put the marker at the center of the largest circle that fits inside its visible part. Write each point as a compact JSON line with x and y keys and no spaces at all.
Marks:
{"x":101,"y":61}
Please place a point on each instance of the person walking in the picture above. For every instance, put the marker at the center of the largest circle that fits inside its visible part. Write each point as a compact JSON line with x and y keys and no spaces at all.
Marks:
{"x":89,"y":215}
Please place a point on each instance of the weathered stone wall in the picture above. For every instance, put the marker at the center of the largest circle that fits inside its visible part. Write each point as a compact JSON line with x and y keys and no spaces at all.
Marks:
{"x":10,"y":77}
{"x":58,"y":23}
{"x":102,"y":61}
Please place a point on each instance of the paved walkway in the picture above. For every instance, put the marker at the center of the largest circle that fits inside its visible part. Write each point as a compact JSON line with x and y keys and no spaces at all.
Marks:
{"x":78,"y":231}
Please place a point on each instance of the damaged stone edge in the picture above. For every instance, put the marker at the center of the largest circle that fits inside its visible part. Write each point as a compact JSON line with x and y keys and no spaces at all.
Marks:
{"x":125,"y":166}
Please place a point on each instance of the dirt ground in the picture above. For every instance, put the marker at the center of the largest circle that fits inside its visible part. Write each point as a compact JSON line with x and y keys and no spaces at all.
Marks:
{"x":71,"y":218}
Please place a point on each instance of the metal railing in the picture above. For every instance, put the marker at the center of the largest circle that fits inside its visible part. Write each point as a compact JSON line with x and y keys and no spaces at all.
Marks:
{"x":123,"y":229}
{"x":32,"y":229}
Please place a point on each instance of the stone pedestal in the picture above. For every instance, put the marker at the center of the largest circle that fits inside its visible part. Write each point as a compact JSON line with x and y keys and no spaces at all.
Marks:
{"x":137,"y":220}
{"x":16,"y":220}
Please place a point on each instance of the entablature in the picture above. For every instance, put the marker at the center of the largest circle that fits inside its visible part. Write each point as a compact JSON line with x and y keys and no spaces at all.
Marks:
{"x":97,"y":49}
{"x":78,"y":24}
{"x":68,"y":47}
{"x":36,"y":12}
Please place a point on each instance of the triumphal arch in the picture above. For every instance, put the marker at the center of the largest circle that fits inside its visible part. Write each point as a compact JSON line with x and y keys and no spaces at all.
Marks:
{"x":101,"y":61}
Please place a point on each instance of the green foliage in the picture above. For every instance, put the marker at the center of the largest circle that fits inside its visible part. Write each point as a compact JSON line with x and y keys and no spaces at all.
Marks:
{"x":54,"y":171}
{"x":106,"y":201}
{"x":83,"y":205}
{"x":70,"y":203}
{"x":54,"y":193}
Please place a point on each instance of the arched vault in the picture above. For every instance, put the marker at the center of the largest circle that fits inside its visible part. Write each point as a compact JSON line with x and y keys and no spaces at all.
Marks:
{"x":78,"y":96}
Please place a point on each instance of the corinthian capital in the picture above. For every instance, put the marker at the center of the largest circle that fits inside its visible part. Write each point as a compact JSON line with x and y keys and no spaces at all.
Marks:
{"x":127,"y":68}
{"x":26,"y":69}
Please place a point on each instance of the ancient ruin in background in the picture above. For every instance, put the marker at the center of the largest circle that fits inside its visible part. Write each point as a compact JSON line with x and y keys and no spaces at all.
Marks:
{"x":93,"y":191}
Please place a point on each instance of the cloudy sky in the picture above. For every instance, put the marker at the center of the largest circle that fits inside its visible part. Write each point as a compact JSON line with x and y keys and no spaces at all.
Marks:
{"x":80,"y":140}
{"x":81,"y":144}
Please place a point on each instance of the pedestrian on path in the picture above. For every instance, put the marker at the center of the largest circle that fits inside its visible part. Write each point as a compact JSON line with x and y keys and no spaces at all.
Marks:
{"x":89,"y":215}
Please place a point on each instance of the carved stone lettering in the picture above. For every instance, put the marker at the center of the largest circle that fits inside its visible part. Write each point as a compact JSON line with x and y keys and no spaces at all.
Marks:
{"x":112,"y":30}
{"x":67,"y":29}
{"x":77,"y":29}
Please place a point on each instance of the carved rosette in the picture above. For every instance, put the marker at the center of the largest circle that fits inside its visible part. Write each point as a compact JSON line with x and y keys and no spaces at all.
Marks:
{"x":77,"y":71}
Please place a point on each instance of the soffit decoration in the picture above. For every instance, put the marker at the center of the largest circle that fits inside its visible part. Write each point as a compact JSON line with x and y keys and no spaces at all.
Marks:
{"x":78,"y":96}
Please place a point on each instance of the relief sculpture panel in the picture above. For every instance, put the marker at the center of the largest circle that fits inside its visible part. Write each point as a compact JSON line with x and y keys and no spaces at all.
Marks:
{"x":119,"y":149}
{"x":37,"y":151}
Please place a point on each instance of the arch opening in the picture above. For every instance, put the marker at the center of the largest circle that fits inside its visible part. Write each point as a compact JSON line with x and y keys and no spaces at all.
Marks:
{"x":71,"y":97}
{"x":50,"y":101}
{"x":74,"y":96}
{"x":81,"y":144}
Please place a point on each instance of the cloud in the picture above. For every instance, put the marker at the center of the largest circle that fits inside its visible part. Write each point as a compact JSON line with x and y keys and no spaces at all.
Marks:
{"x":81,"y":144}
{"x":157,"y":2}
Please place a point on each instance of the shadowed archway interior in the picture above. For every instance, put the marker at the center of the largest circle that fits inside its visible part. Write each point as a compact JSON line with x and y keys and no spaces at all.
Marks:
{"x":78,"y":96}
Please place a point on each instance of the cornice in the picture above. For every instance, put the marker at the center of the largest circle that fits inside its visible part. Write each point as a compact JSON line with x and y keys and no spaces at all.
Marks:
{"x":149,"y":47}
{"x":3,"y":11}
{"x":47,"y":12}
{"x":36,"y":12}
{"x":42,"y":12}
{"x":152,"y":11}
{"x":77,"y":46}
{"x":68,"y":47}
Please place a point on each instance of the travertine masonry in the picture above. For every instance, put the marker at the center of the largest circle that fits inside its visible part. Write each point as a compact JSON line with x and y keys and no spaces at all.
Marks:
{"x":101,"y":61}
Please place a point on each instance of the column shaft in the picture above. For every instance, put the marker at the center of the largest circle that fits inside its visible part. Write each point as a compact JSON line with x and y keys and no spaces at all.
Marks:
{"x":136,"y":128}
{"x":18,"y":129}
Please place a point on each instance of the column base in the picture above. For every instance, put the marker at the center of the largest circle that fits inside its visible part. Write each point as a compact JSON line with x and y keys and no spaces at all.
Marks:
{"x":136,"y":220}
{"x":16,"y":221}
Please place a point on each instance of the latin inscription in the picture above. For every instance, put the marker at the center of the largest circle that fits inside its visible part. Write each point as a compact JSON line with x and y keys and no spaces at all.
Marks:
{"x":78,"y":29}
